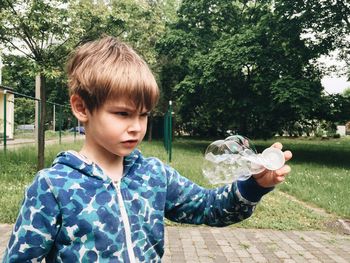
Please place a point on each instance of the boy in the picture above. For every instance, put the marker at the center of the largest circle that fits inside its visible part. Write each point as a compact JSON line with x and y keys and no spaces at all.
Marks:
{"x":107,"y":203}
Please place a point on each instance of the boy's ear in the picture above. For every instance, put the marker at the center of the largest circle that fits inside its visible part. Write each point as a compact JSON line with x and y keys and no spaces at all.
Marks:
{"x":78,"y":108}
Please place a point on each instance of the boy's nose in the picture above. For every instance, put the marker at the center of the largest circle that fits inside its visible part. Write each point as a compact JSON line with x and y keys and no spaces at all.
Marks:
{"x":135,"y":125}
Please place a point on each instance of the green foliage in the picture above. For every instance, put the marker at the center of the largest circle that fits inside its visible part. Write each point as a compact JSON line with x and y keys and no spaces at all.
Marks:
{"x":326,"y":24}
{"x":242,"y":66}
{"x":18,"y":74}
{"x":245,"y":66}
{"x":47,"y":31}
{"x":335,"y":108}
{"x":346,"y":93}
{"x":24,"y":111}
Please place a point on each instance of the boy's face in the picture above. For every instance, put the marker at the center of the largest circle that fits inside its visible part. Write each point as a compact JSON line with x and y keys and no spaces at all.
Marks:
{"x":116,"y":128}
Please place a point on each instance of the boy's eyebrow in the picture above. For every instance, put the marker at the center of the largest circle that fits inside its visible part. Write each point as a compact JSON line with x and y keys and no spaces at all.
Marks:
{"x":121,"y":107}
{"x":127,"y":108}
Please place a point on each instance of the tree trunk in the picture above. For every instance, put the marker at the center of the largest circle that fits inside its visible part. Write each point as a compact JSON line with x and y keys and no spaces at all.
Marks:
{"x":41,"y":128}
{"x":150,"y":128}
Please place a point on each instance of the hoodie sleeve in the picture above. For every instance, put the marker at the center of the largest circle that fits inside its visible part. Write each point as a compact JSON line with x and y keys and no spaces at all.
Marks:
{"x":36,"y":226}
{"x":189,"y":203}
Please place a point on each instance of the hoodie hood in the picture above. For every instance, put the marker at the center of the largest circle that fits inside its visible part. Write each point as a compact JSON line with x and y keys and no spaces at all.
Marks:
{"x":89,"y":168}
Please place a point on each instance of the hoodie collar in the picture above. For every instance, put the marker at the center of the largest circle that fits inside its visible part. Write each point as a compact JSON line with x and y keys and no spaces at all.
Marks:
{"x":89,"y":168}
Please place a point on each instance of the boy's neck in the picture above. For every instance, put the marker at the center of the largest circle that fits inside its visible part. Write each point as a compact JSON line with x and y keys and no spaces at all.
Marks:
{"x":112,"y":165}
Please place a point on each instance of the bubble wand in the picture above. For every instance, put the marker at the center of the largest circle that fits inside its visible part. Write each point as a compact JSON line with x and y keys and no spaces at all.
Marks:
{"x":235,"y":158}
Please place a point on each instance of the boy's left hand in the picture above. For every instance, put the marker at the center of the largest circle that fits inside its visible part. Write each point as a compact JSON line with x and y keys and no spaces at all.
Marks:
{"x":269,"y":178}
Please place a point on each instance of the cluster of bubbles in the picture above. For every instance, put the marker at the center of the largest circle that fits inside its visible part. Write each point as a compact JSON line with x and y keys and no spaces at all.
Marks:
{"x":236,"y":158}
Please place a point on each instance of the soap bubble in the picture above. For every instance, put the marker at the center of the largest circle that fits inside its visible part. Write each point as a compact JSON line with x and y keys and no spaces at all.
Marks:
{"x":236,"y":158}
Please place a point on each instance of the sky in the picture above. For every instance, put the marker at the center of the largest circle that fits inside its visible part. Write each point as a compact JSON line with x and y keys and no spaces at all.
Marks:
{"x":335,"y":84}
{"x":332,"y":83}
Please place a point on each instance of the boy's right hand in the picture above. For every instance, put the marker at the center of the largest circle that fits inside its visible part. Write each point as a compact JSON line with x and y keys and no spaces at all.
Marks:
{"x":269,"y":178}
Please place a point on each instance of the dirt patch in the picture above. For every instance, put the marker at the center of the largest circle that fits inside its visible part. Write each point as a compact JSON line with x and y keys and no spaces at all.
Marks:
{"x":339,"y":226}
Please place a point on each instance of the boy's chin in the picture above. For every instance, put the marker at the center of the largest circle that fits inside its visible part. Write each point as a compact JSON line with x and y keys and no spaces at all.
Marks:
{"x":125,"y":153}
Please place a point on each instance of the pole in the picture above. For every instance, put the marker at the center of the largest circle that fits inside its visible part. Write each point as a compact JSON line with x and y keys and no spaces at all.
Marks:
{"x":170,"y":130}
{"x":41,"y":131}
{"x":60,"y":123}
{"x":166,"y":131}
{"x":37,"y":110}
{"x":5,"y":119}
{"x":54,"y":118}
{"x":1,"y":65}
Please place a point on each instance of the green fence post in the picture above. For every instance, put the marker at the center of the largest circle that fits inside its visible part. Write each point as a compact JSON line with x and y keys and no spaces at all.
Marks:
{"x":60,"y":126}
{"x":166,"y":131}
{"x":168,"y":134}
{"x":5,"y":119}
{"x":170,"y":130}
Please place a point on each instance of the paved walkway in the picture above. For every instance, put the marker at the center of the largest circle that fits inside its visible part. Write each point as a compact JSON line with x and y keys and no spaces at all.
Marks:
{"x":14,"y":144}
{"x":206,"y":244}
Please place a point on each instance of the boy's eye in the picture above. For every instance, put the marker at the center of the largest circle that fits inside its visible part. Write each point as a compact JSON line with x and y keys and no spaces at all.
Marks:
{"x":122,"y":113}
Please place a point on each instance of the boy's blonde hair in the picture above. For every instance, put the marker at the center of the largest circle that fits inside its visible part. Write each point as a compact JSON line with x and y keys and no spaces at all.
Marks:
{"x":109,"y":69}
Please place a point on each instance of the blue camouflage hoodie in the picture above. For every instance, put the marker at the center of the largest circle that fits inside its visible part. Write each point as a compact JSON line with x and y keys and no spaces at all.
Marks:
{"x":73,"y":212}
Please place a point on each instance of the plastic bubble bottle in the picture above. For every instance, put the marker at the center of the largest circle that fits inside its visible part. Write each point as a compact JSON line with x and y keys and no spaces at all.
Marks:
{"x":236,"y":158}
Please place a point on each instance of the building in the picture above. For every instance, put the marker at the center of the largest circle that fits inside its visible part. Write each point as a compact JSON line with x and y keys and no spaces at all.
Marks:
{"x":10,"y":112}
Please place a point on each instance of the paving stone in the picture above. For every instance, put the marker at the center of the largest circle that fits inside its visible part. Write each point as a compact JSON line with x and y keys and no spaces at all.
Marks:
{"x":204,"y":260}
{"x":220,"y":259}
{"x":223,"y":242}
{"x":308,"y":255}
{"x":242,"y":253}
{"x":298,"y":258}
{"x":203,"y":252}
{"x":282,"y":254}
{"x":297,"y":247}
{"x":166,"y":259}
{"x":253,"y":250}
{"x":226,"y":249}
{"x":246,"y":260}
{"x":206,"y":244}
{"x":259,"y":258}
{"x":340,"y":259}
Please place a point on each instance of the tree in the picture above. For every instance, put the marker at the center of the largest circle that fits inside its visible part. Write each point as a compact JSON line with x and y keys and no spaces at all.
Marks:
{"x":46,"y":32}
{"x":35,"y":29}
{"x":242,"y":65}
{"x":18,"y":74}
{"x":346,"y":93}
{"x":325,"y":24}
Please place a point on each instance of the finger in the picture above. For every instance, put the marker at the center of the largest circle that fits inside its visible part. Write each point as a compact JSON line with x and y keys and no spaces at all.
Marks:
{"x":280,"y":179}
{"x":287,"y":155}
{"x":277,"y":145}
{"x":283,"y":171}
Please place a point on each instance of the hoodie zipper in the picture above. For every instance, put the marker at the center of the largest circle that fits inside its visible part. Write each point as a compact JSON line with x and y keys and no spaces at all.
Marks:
{"x":126,"y":223}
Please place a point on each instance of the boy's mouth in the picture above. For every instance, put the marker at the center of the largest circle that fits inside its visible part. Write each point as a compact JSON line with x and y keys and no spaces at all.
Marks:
{"x":130,"y":143}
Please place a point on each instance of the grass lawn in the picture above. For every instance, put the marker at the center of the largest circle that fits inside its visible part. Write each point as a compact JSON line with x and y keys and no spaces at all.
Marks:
{"x":320,"y":173}
{"x":320,"y":176}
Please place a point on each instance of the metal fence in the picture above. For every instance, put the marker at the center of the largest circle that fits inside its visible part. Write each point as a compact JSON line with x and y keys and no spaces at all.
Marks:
{"x":18,"y":119}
